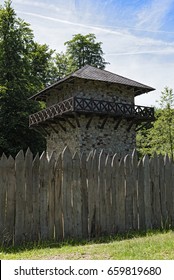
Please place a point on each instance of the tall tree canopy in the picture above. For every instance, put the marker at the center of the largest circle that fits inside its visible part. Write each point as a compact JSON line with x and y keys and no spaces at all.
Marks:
{"x":160,"y":137}
{"x":80,"y":51}
{"x":25,"y":67}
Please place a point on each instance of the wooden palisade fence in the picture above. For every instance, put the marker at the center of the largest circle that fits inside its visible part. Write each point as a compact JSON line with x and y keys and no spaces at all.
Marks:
{"x":82,"y":197}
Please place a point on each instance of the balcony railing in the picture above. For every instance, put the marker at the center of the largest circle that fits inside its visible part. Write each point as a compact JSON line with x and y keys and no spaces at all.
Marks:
{"x":91,"y":106}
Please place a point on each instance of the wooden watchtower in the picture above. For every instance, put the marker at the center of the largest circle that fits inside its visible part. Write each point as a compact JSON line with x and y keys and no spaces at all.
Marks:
{"x":91,"y":109}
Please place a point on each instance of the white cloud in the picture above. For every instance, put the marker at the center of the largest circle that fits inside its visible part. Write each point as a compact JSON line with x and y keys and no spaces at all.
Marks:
{"x":153,"y":15}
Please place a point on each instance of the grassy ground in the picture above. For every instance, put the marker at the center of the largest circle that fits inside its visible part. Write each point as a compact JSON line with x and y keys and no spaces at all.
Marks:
{"x":153,"y":245}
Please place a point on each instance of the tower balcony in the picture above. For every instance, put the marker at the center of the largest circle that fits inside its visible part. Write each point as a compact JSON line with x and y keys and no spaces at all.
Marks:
{"x":78,"y":105}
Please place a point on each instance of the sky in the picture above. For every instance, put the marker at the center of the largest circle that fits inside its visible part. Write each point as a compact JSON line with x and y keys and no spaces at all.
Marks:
{"x":137,"y":35}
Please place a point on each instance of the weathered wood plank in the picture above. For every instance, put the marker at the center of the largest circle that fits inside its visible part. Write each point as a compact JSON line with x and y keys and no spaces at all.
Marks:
{"x":169,"y":189}
{"x":44,"y":181}
{"x":102,"y":196}
{"x":129,"y":193}
{"x":91,"y":160}
{"x":135,"y":189}
{"x":67,"y":192}
{"x":11,"y":196}
{"x":51,"y":195}
{"x":114,"y":191}
{"x":83,"y":176}
{"x":29,"y":196}
{"x":121,"y":197}
{"x":77,"y":197}
{"x":36,"y":199}
{"x":108,"y":193}
{"x":147,"y":193}
{"x":58,"y":200}
{"x":20,"y":199}
{"x":94,"y":197}
{"x":162,"y":187}
{"x":3,"y":189}
{"x":156,"y":207}
{"x":141,"y":198}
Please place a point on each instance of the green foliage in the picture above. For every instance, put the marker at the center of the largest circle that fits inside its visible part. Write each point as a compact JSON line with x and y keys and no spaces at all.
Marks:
{"x":63,"y":65}
{"x":25,"y":68}
{"x":160,"y":137}
{"x":80,"y":51}
{"x":83,"y":50}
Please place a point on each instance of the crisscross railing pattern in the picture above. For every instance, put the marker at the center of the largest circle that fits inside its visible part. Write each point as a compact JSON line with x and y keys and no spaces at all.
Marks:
{"x":87,"y":105}
{"x":51,"y":112}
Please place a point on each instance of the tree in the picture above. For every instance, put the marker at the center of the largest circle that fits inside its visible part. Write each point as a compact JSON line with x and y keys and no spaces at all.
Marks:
{"x":63,"y":65}
{"x":83,"y":50}
{"x":160,"y":137}
{"x":25,"y":68}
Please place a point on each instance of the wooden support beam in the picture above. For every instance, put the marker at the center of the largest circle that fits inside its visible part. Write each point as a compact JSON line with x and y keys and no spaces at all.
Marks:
{"x":62,"y":127}
{"x":89,"y":121}
{"x":77,"y":119}
{"x":103,"y":123}
{"x":53,"y":128}
{"x":39,"y":130}
{"x":55,"y":121}
{"x":131,"y":124}
{"x":45,"y":130}
{"x":70,"y":123}
{"x":143,"y":125}
{"x":117,"y":123}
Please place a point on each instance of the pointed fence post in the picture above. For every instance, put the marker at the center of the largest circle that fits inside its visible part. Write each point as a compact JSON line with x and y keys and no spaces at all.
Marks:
{"x":129,"y":193}
{"x":29,"y":195}
{"x":147,"y":193}
{"x":20,"y":233}
{"x":3,"y":189}
{"x":92,"y":192}
{"x":67,"y":192}
{"x":36,"y":197}
{"x":58,"y":200}
{"x":95,"y":195}
{"x":169,"y":189}
{"x":77,"y":197}
{"x":141,"y":196}
{"x":121,"y":198}
{"x":44,"y":181}
{"x":84,"y":196}
{"x":114,"y":191}
{"x":108,"y":193}
{"x":51,"y":195}
{"x":102,"y":194}
{"x":135,"y":188}
{"x":10,"y":214}
{"x":156,"y":207}
{"x":162,"y":187}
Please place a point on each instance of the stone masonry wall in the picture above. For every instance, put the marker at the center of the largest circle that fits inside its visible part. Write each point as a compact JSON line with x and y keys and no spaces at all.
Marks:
{"x":81,"y":139}
{"x":91,"y":89}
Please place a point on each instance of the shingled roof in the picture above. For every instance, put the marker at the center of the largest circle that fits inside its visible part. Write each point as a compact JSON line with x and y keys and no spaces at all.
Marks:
{"x":92,"y":73}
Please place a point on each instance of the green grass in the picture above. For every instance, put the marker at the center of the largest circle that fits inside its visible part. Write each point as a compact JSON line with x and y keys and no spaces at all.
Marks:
{"x":149,"y":246}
